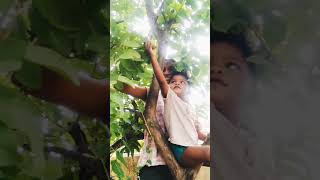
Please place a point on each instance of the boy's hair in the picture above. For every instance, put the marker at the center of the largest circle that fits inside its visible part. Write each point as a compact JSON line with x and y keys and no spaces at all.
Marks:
{"x":182,"y":73}
{"x":171,"y":63}
{"x":236,"y":40}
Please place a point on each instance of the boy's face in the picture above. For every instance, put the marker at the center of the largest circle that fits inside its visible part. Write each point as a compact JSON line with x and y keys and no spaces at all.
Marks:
{"x":168,"y":70}
{"x":229,"y":74}
{"x":178,"y":84}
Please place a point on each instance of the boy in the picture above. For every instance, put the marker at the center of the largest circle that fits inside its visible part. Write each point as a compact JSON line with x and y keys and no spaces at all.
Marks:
{"x":231,"y":76}
{"x":151,"y":162}
{"x":180,"y":119}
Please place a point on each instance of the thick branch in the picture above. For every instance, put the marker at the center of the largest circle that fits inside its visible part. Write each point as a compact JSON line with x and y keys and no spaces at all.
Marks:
{"x":152,"y":19}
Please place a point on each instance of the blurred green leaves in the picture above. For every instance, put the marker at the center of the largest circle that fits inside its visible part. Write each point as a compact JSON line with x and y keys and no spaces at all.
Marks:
{"x":65,"y":37}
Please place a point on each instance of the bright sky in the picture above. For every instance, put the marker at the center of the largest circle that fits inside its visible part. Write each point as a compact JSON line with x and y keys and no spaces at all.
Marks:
{"x":201,"y":96}
{"x":203,"y":45}
{"x":140,"y":26}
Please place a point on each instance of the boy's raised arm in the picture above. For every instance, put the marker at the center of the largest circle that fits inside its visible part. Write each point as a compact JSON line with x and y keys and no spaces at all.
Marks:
{"x":157,"y":70}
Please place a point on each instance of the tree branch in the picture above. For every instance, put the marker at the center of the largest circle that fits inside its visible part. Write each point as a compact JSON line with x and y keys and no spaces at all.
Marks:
{"x":152,"y":19}
{"x":161,"y":7}
{"x":119,"y":143}
{"x":91,"y":168}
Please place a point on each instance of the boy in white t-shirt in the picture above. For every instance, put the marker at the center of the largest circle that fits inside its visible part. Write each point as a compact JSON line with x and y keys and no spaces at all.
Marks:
{"x":180,"y":120}
{"x":232,"y":88}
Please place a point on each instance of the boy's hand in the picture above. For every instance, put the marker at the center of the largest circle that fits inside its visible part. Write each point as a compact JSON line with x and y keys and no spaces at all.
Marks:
{"x":148,"y":47}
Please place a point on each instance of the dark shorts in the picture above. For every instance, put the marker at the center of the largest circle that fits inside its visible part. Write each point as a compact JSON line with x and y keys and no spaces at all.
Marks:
{"x":177,"y":151}
{"x":155,"y":173}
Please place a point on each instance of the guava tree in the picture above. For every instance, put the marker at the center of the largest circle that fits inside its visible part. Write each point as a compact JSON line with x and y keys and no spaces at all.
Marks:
{"x":40,"y":140}
{"x":178,"y":29}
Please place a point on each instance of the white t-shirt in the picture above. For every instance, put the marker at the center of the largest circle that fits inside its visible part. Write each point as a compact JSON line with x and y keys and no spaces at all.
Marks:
{"x":180,"y":120}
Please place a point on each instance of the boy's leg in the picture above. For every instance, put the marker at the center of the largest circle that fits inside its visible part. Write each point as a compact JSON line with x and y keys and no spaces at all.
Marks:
{"x":155,"y":173}
{"x":194,"y":155}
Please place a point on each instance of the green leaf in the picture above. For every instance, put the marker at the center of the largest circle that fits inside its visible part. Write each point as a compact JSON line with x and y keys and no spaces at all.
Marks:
{"x":100,"y":150}
{"x":52,"y":60}
{"x":126,"y":80}
{"x":128,"y":65}
{"x":14,"y":106}
{"x":118,"y":86}
{"x":195,"y":71}
{"x":8,"y":147}
{"x":130,"y":54}
{"x":98,"y":44}
{"x":274,"y":30}
{"x":80,"y":65}
{"x":120,"y":158}
{"x":30,"y":75}
{"x":116,"y":168}
{"x":117,"y":98}
{"x":131,"y":43}
{"x":66,"y":15}
{"x":4,"y":5}
{"x":175,"y":5}
{"x":12,"y":49}
{"x":49,"y":36}
{"x":53,"y":169}
{"x":229,"y":13}
{"x":2,"y":175}
{"x":9,"y":66}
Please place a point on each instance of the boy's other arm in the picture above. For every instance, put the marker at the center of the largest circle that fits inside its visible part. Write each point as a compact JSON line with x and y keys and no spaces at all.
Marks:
{"x":202,"y":136}
{"x":137,"y":92}
{"x":90,"y":97}
{"x":157,"y":70}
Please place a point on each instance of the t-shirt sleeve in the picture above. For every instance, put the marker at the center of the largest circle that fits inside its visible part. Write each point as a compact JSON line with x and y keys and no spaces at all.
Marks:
{"x":170,"y":96}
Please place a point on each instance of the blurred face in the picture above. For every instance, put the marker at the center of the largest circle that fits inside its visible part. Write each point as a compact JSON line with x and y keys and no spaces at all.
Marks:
{"x":229,"y":74}
{"x":168,"y":70}
{"x":178,"y":84}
